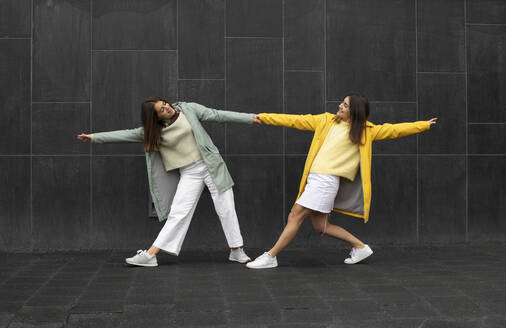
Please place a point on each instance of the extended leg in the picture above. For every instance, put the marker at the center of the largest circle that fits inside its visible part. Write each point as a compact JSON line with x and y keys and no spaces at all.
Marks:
{"x":295,"y":219}
{"x":190,"y":186}
{"x":321,"y":225}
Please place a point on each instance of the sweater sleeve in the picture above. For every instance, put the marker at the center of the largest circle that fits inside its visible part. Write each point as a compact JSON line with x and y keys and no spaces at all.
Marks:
{"x":301,"y":122}
{"x":129,"y":135}
{"x":220,"y":116}
{"x":392,"y":131}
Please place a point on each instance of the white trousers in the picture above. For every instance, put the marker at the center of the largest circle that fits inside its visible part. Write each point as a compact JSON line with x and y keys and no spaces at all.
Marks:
{"x":191,"y":184}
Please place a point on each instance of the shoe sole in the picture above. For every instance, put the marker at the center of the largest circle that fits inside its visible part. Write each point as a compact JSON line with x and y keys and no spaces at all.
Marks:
{"x":143,"y":265}
{"x":264,"y":267}
{"x":360,"y":260}
{"x":235,"y":260}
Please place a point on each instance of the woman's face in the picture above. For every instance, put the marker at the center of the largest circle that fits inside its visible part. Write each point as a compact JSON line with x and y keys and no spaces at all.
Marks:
{"x":164,"y":110}
{"x":344,"y":110}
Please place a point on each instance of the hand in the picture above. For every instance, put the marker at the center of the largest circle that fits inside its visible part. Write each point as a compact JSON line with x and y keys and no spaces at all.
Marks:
{"x":433,"y":121}
{"x":256,"y":120}
{"x":85,"y":137}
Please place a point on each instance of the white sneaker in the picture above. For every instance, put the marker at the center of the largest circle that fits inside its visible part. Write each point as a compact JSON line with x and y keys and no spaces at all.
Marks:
{"x":358,"y":254}
{"x":264,"y":261}
{"x":142,"y":258}
{"x":238,"y":255}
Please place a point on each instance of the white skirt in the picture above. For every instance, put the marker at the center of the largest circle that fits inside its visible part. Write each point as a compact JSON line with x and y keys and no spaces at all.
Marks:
{"x":320,"y":192}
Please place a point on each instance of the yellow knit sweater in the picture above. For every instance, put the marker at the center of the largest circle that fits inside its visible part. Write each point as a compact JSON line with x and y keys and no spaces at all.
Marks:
{"x":338,"y":155}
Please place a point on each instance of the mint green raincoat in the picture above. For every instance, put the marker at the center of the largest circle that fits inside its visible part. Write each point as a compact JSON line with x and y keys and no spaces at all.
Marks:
{"x":162,"y":183}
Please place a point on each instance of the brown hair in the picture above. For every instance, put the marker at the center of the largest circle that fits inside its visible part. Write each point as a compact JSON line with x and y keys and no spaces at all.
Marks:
{"x":151,"y":124}
{"x":359,"y":112}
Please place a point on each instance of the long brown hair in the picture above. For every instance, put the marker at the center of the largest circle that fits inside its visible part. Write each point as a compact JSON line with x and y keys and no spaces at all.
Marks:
{"x":152,"y":124}
{"x":359,"y":112}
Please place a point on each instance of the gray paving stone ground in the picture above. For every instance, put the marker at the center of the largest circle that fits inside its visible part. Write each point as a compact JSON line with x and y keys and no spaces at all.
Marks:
{"x":429,"y":287}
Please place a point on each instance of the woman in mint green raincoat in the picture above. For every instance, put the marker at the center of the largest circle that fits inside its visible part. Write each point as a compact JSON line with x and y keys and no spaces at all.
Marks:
{"x":181,"y":159}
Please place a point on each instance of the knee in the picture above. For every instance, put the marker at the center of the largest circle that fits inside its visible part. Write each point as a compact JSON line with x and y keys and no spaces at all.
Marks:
{"x":319,"y":228}
{"x":296,"y":216}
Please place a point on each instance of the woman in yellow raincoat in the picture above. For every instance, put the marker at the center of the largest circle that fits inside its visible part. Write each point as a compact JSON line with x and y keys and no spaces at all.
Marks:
{"x":337,"y":173}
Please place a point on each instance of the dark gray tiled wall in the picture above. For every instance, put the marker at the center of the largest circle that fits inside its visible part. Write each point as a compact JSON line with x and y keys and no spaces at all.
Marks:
{"x":486,"y":12}
{"x":201,"y":39}
{"x":15,"y":18}
{"x":443,"y":96}
{"x":442,"y":192}
{"x":487,"y":138}
{"x":379,"y":58}
{"x":487,"y":209}
{"x":486,"y":51}
{"x":15,"y":96}
{"x":304,"y":42}
{"x":15,"y":203}
{"x":257,"y":18}
{"x":55,"y":126}
{"x":61,"y":202}
{"x":441,"y":36}
{"x":71,"y":66}
{"x":131,"y":24}
{"x":61,"y":30}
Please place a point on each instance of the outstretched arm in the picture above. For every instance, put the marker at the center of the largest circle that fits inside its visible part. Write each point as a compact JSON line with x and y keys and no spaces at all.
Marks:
{"x":301,"y":122}
{"x":392,"y":131}
{"x":221,"y":116}
{"x":129,"y":135}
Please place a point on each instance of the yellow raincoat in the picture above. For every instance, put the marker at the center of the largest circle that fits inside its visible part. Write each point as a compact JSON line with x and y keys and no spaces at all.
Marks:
{"x":353,"y":197}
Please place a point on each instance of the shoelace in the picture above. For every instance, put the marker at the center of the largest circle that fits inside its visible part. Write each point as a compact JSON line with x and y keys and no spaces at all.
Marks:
{"x":352,"y":253}
{"x":139,"y":251}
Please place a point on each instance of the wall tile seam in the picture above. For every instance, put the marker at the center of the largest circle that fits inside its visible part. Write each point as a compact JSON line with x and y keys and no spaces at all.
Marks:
{"x":442,"y":72}
{"x":467,"y":120}
{"x":31,"y":123}
{"x":62,"y":102}
{"x":133,"y":50}
{"x":418,"y":154}
{"x":76,"y":155}
{"x":225,"y":49}
{"x":15,"y":155}
{"x":90,"y":149}
{"x":486,"y":123}
{"x":241,"y":155}
{"x":443,"y":155}
{"x":377,"y":155}
{"x":485,"y":155}
{"x":304,"y":71}
{"x":376,"y":102}
{"x":253,"y":155}
{"x":203,"y":79}
{"x":283,"y":13}
{"x":417,"y":136}
{"x":118,"y":155}
{"x":485,"y":24}
{"x":255,"y":37}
